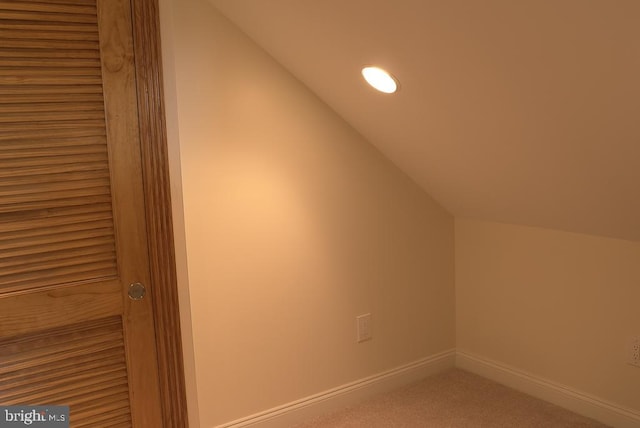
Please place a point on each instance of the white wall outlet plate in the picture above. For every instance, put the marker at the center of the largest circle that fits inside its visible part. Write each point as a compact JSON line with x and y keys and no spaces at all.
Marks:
{"x":363,"y":323}
{"x":633,"y":351}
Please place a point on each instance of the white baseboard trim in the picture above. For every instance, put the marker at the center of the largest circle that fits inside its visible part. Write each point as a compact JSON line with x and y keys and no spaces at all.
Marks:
{"x":561,"y":395}
{"x":337,"y":398}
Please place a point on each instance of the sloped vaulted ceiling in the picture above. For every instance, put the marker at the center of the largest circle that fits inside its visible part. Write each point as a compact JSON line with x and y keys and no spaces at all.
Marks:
{"x":523,"y":112}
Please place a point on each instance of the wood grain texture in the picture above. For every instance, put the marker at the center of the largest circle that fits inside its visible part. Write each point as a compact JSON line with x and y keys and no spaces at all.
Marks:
{"x":57,"y":201}
{"x":26,"y":312}
{"x":53,"y":150}
{"x":16,"y":14}
{"x":80,"y":365}
{"x":159,"y":221}
{"x":118,"y":74}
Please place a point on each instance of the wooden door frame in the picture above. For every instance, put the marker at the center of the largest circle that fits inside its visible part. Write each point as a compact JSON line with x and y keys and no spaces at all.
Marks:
{"x":155,"y":171}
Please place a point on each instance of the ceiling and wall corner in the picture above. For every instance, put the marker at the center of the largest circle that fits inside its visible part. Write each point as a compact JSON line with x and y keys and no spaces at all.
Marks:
{"x":509,"y":112}
{"x":516,"y":112}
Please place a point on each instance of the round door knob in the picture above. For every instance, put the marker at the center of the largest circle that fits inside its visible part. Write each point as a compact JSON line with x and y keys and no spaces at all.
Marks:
{"x":136,"y":291}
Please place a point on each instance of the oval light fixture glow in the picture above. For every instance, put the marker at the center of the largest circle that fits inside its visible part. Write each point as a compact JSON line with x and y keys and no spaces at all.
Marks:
{"x":380,"y":79}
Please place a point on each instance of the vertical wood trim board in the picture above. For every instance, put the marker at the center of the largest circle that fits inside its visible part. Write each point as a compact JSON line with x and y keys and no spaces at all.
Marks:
{"x":155,"y":165}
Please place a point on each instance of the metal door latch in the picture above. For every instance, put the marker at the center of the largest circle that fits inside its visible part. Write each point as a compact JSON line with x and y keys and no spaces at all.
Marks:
{"x":136,"y":291}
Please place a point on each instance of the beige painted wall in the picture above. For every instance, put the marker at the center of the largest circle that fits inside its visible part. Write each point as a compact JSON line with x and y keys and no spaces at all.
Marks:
{"x":555,"y":304}
{"x":294,"y":225}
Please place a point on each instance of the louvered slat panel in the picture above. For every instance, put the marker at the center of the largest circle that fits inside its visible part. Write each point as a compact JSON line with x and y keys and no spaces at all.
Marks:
{"x":79,"y":2}
{"x":13,"y":129}
{"x":46,"y":16}
{"x":52,"y":136}
{"x":49,"y":7}
{"x":47,"y":72}
{"x":46,"y":26}
{"x":100,"y":420}
{"x":110,"y":405}
{"x":38,"y":170}
{"x":13,"y":54}
{"x":82,"y":366}
{"x":11,"y":237}
{"x":53,"y":148}
{"x":98,"y":393}
{"x":21,"y":192}
{"x":18,"y":202}
{"x":30,"y":117}
{"x":38,"y":205}
{"x":86,"y":235}
{"x":51,"y":62}
{"x":34,"y":91}
{"x":62,"y":367}
{"x":47,"y":262}
{"x":33,"y":33}
{"x":67,"y":159}
{"x":31,"y":385}
{"x":35,"y":37}
{"x":51,"y":98}
{"x":58,"y":344}
{"x":42,"y":276}
{"x":48,"y":107}
{"x":50,"y":80}
{"x":115,"y":425}
{"x":94,"y":174}
{"x":38,"y":174}
{"x":29,"y":221}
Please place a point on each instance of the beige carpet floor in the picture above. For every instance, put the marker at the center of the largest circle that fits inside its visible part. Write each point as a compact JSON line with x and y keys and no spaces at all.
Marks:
{"x":454,"y":399}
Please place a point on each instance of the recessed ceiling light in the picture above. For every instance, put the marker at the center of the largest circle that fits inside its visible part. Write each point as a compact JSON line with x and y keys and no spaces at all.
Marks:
{"x":380,"y":79}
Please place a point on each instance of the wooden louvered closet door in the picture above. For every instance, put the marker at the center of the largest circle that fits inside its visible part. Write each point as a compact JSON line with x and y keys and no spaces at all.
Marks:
{"x":72,"y":225}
